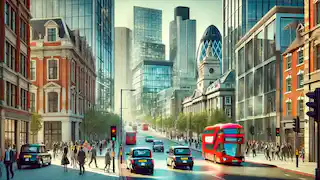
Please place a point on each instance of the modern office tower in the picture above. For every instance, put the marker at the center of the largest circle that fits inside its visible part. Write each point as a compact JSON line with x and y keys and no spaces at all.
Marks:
{"x":123,"y":76}
{"x":95,"y":20}
{"x":259,"y":78}
{"x":239,"y":16}
{"x":15,"y":116}
{"x":182,"y":37}
{"x":211,"y":35}
{"x":148,"y":47}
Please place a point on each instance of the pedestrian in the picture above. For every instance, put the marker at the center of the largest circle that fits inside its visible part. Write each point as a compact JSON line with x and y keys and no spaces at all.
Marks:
{"x":65,"y":161}
{"x":93,"y":156}
{"x":74,"y":156}
{"x":278,"y":152}
{"x":14,"y":149}
{"x":254,"y":147}
{"x":8,"y":160}
{"x":55,"y":149}
{"x":81,"y":160}
{"x":100,"y":148}
{"x":107,"y":160}
{"x":302,"y":154}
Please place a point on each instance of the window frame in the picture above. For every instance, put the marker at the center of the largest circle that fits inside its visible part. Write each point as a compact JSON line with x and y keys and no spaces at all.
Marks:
{"x":48,"y":68}
{"x":23,"y":66}
{"x":300,"y":78}
{"x":49,"y":103}
{"x":300,"y":52}
{"x":33,"y":69}
{"x":287,"y":107}
{"x":51,"y":35}
{"x":32,"y":101}
{"x":289,"y":56}
{"x":287,"y":83}
{"x":226,"y":98}
{"x":7,"y":14}
{"x":299,"y":100}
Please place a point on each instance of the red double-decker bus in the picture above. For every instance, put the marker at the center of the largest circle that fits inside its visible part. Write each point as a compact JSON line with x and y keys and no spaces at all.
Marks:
{"x":131,"y":138}
{"x":223,"y":143}
{"x":145,"y":127}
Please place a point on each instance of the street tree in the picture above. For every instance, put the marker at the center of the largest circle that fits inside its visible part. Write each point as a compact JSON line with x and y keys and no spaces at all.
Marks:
{"x":218,"y":116}
{"x":36,"y":125}
{"x":182,"y":122}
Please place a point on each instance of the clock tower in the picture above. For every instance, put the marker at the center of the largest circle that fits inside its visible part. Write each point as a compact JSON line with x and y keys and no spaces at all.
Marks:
{"x":209,"y":70}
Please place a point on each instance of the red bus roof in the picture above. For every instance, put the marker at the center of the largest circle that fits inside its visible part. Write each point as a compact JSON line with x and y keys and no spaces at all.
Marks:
{"x":223,"y":126}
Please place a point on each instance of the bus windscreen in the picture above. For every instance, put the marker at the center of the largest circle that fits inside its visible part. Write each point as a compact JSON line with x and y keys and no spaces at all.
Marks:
{"x":233,"y":149}
{"x":231,"y":131}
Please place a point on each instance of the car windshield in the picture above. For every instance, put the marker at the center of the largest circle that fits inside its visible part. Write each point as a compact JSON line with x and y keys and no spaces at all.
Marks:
{"x":29,"y":149}
{"x":182,"y":151}
{"x":141,"y":153}
{"x":233,"y":149}
{"x":158,"y":143}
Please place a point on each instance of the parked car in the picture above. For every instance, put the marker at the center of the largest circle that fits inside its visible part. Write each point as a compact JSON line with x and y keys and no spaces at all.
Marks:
{"x":149,"y":139}
{"x":33,"y":154}
{"x":140,"y":158}
{"x":180,"y":156}
{"x":158,"y":146}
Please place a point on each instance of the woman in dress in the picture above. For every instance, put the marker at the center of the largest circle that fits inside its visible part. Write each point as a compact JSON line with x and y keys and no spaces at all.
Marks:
{"x":65,"y":160}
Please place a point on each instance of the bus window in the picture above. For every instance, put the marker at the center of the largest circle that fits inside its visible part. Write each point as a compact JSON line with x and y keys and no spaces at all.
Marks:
{"x":209,"y":146}
{"x":208,"y":132}
{"x":231,"y":131}
{"x":220,"y":147}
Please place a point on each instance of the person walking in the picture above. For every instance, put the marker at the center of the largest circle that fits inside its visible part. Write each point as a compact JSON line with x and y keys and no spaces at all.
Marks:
{"x":65,"y":161}
{"x":74,"y":156}
{"x":107,"y":160}
{"x":8,"y":161}
{"x":81,"y":160}
{"x":100,"y":148}
{"x":302,"y":153}
{"x":93,"y":156}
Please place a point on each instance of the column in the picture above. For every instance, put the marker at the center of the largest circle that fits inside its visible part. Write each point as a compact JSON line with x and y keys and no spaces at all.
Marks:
{"x":40,"y":100}
{"x":18,"y":145}
{"x":40,"y":136}
{"x":2,"y":119}
{"x":77,"y":137}
{"x":64,"y":97}
{"x":66,"y":130}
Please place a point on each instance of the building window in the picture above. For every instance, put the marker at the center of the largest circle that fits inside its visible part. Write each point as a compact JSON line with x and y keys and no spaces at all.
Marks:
{"x":318,"y":12}
{"x":6,"y":14}
{"x":13,"y":20}
{"x":289,"y":108}
{"x":53,"y":69}
{"x":317,"y":63}
{"x":288,"y":83}
{"x":23,"y":65}
{"x":300,"y":57}
{"x":10,"y":132}
{"x":289,"y":61}
{"x":52,"y":35}
{"x":23,"y":132}
{"x":300,"y":81}
{"x":23,"y":30}
{"x":73,"y":71}
{"x":53,"y":102}
{"x":33,"y":70}
{"x":227,"y":100}
{"x":33,"y":102}
{"x":23,"y":99}
{"x":10,"y":58}
{"x":52,"y":132}
{"x":11,"y":95}
{"x":300,"y":107}
{"x":227,"y":110}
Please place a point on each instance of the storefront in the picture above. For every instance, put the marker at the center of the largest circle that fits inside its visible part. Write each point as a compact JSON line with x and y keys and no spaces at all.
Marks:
{"x":52,"y":132}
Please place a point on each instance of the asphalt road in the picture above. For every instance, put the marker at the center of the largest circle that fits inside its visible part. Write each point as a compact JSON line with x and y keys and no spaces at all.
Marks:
{"x":204,"y":170}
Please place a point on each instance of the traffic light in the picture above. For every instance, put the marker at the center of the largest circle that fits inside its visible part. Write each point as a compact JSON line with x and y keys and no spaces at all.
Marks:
{"x":277,"y":131}
{"x":296,"y":124}
{"x":113,"y":133}
{"x":314,"y":104}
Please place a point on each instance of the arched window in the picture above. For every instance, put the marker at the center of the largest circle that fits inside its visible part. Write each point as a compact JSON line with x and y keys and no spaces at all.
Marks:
{"x":52,"y":102}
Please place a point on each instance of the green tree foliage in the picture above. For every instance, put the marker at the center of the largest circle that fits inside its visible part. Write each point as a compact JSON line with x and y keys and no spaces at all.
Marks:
{"x":199,"y":122}
{"x":168,"y":122}
{"x":36,"y":124}
{"x":218,"y":116}
{"x":182,"y":122}
{"x":96,"y":124}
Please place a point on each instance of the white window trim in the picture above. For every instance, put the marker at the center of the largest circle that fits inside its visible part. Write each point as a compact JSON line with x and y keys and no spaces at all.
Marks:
{"x":33,"y":89}
{"x":58,"y":68}
{"x":57,"y":36}
{"x":288,"y":77}
{"x":52,"y":87}
{"x":35,"y":72}
{"x":288,"y":101}
{"x":300,"y":72}
{"x":300,"y":49}
{"x":225,"y":100}
{"x":288,"y":55}
{"x":300,"y":98}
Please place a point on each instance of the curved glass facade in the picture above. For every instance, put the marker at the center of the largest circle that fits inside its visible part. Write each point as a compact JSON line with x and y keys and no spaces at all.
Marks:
{"x":95,"y":20}
{"x":211,"y":34}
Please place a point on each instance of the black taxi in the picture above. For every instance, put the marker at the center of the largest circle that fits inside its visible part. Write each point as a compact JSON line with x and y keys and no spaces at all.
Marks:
{"x":180,"y":156}
{"x":33,"y":154}
{"x":140,"y":158}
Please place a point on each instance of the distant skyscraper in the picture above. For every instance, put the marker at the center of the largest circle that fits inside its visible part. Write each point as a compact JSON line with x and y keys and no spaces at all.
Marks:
{"x":148,"y":77}
{"x":123,"y":77}
{"x":95,"y":20}
{"x":182,"y":37}
{"x":239,"y":17}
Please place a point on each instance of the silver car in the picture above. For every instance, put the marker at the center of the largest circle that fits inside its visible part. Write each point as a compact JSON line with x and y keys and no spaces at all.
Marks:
{"x":158,"y":146}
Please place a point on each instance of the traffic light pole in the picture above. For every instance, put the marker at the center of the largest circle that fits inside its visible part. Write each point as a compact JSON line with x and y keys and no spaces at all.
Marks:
{"x":318,"y":145}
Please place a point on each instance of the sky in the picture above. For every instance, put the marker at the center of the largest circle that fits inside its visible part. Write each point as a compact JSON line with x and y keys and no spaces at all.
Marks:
{"x":206,"y":12}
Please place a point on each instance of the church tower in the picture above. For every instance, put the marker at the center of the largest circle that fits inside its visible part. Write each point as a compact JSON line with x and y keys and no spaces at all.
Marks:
{"x":209,"y":70}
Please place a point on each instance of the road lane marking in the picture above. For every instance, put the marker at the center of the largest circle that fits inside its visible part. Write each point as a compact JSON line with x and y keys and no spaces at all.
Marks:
{"x":286,"y":174}
{"x":302,"y":178}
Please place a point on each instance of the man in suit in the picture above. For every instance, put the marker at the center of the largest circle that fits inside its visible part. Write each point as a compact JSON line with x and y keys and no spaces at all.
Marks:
{"x":8,"y":161}
{"x":81,"y":159}
{"x":93,"y":156}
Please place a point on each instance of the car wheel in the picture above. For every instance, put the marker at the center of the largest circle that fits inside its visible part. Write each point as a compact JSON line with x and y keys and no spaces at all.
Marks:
{"x":191,"y":167}
{"x":173,"y":166}
{"x":151,"y":171}
{"x":40,"y":164}
{"x":49,"y":163}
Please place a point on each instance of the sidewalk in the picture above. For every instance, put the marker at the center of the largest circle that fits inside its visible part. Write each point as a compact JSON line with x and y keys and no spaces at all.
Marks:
{"x":306,"y":168}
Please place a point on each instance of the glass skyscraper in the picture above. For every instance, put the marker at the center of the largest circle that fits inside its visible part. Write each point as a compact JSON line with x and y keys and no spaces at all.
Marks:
{"x":95,"y":20}
{"x":182,"y":37}
{"x":239,"y":16}
{"x":151,"y":73}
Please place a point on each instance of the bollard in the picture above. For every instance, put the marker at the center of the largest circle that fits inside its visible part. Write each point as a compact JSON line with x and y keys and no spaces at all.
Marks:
{"x":297,"y":158}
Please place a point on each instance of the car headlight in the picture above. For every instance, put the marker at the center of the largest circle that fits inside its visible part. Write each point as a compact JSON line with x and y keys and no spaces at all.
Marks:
{"x":224,"y":159}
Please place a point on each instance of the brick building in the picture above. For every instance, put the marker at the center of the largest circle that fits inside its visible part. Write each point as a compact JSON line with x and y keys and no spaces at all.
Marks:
{"x":14,"y":72}
{"x":63,"y":78}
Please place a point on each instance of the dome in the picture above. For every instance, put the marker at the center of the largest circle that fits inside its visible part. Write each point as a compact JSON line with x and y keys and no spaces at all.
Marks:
{"x":211,"y":34}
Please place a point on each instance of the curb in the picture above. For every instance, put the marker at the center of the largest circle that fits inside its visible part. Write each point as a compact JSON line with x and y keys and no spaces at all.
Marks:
{"x":284,"y":169}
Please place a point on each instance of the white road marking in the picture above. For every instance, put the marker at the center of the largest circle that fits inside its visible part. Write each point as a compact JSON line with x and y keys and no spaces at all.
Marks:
{"x":302,"y":178}
{"x":286,"y":174}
